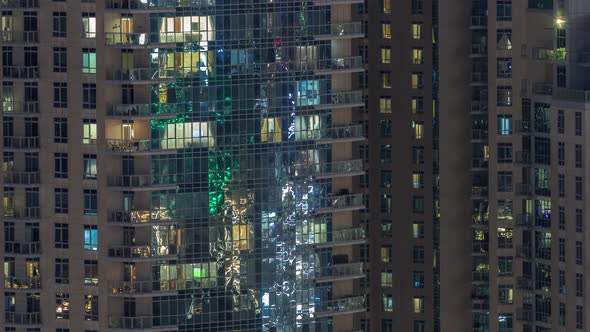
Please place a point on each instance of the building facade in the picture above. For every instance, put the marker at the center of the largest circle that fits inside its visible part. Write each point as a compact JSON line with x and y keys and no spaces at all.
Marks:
{"x":514,"y":185}
{"x":182,"y":165}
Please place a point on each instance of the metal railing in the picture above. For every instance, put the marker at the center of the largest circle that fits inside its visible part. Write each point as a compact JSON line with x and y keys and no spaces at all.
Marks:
{"x":480,"y":276}
{"x":340,"y":202}
{"x":329,"y":169}
{"x":133,"y":145}
{"x":143,"y":74}
{"x":479,"y":77}
{"x":147,"y":110}
{"x":12,"y":36}
{"x":345,"y":63}
{"x":543,"y":54}
{"x":479,"y":20}
{"x":23,"y":178}
{"x":145,"y":38}
{"x":156,"y":4}
{"x":139,"y":216}
{"x":14,"y":142}
{"x":523,"y":189}
{"x":141,"y":181}
{"x":340,"y":271}
{"x":523,"y":252}
{"x":22,"y":248}
{"x":151,"y":286}
{"x":20,"y":72}
{"x":341,"y":306}
{"x":13,"y":106}
{"x":19,"y":4}
{"x":337,"y":99}
{"x":22,"y":213}
{"x":581,"y":96}
{"x":26,"y":283}
{"x":524,"y":220}
{"x":479,"y":49}
{"x":543,"y":88}
{"x":335,"y":29}
{"x":522,"y":157}
{"x":479,"y":106}
{"x":22,"y":318}
{"x":143,"y":251}
{"x":341,"y":133}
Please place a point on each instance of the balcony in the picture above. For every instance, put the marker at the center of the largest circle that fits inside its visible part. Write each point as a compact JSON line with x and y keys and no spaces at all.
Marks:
{"x":522,"y":157}
{"x":479,"y":78}
{"x":478,"y":22}
{"x":333,"y":66}
{"x":19,"y":37}
{"x":335,"y":100}
{"x":22,"y":248}
{"x":523,"y":189}
{"x":142,"y":182}
{"x":523,"y":252}
{"x":543,"y":88}
{"x":524,"y":220}
{"x":339,"y":203}
{"x":524,"y":283}
{"x":578,"y":96}
{"x":145,"y":323}
{"x":21,"y":143}
{"x":339,"y":272}
{"x":346,"y":30}
{"x":22,"y":318}
{"x":22,"y":284}
{"x":143,"y":75}
{"x":478,"y":106}
{"x":342,"y":237}
{"x":479,"y":191}
{"x":478,"y":50}
{"x":543,"y":54}
{"x":23,"y":213}
{"x":139,"y":217}
{"x":19,"y":4}
{"x":143,"y":252}
{"x":156,"y":288}
{"x":146,"y":40}
{"x":480,"y":276}
{"x":479,"y":134}
{"x":20,"y":72}
{"x":21,"y":178}
{"x":345,"y":168}
{"x":154,"y":6}
{"x":147,"y":111}
{"x":27,"y":108}
{"x":480,"y":249}
{"x":343,"y":306}
{"x":136,"y":146}
{"x":524,"y":314}
{"x":523,"y":127}
{"x":344,"y":134}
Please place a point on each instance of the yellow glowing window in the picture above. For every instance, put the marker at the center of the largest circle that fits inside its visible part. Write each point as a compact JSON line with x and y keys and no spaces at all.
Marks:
{"x":417,"y":81}
{"x":386,"y":6}
{"x":386,"y":254}
{"x":417,"y":105}
{"x":385,"y":105}
{"x":386,"y":30}
{"x":417,"y":56}
{"x":417,"y":180}
{"x":32,"y":269}
{"x":418,"y":127}
{"x":240,"y":237}
{"x":386,"y":80}
{"x":270,"y":130}
{"x":417,"y":31}
{"x":418,"y":305}
{"x":385,"y":55}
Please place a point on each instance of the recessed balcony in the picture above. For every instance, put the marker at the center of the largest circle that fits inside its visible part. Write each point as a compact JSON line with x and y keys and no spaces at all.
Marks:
{"x":20,"y":72}
{"x":335,"y":65}
{"x":147,"y":111}
{"x":143,"y":75}
{"x":524,"y":283}
{"x":336,"y":100}
{"x":341,"y":237}
{"x":523,"y":189}
{"x":522,"y":157}
{"x":146,"y":40}
{"x":148,"y":288}
{"x":136,"y":146}
{"x":144,"y":323}
{"x":20,"y":108}
{"x":21,"y":143}
{"x":22,"y":214}
{"x":543,"y":88}
{"x":340,"y":272}
{"x":30,"y":319}
{"x":524,"y":314}
{"x":480,"y":277}
{"x":22,"y":248}
{"x":143,"y":252}
{"x":342,"y":134}
{"x":21,"y":178}
{"x":142,"y":182}
{"x":342,"y":306}
{"x":479,"y":78}
{"x":139,"y":217}
{"x":340,"y":203}
{"x":480,"y":249}
{"x":19,"y":4}
{"x":479,"y":107}
{"x":345,"y":168}
{"x":478,"y":50}
{"x":524,"y":220}
{"x":154,"y":6}
{"x":523,"y":252}
{"x":479,"y":135}
{"x":478,"y":22}
{"x":10,"y":37}
{"x":347,"y":30}
{"x":22,"y":284}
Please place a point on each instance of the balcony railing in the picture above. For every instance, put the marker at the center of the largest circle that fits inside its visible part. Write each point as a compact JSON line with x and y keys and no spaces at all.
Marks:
{"x":524,"y":220}
{"x":143,"y":75}
{"x":13,"y":4}
{"x":523,"y":157}
{"x":479,"y":134}
{"x":22,"y":318}
{"x":148,"y":110}
{"x":141,"y":39}
{"x":133,"y":145}
{"x":13,"y":142}
{"x":27,"y":283}
{"x":344,"y":99}
{"x":336,"y":30}
{"x":330,"y":170}
{"x":22,"y":248}
{"x":479,"y":21}
{"x":344,"y":134}
{"x":338,"y":238}
{"x":524,"y":314}
{"x":11,"y":36}
{"x":523,"y":189}
{"x":523,"y":252}
{"x":340,"y":272}
{"x":156,"y":5}
{"x":10,"y":107}
{"x":543,"y":54}
{"x":480,"y":248}
{"x":343,"y":306}
{"x":21,"y":178}
{"x":156,"y":181}
{"x":26,"y":213}
{"x":479,"y":77}
{"x":20,"y":72}
{"x":143,"y":251}
{"x":341,"y":203}
{"x":479,"y":49}
{"x":524,"y":283}
{"x":480,"y":276}
{"x":139,"y":217}
{"x":144,"y":322}
{"x":580,"y":96}
{"x":332,"y":65}
{"x":543,"y":88}
{"x":478,"y":106}
{"x":126,"y":288}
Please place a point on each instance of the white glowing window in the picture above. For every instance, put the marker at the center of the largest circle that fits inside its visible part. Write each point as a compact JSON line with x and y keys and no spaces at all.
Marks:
{"x":308,"y":93}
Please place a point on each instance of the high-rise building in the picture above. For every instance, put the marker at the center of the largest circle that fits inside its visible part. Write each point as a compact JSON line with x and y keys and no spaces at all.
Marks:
{"x":185,"y":165}
{"x":514,"y":187}
{"x":403,"y":157}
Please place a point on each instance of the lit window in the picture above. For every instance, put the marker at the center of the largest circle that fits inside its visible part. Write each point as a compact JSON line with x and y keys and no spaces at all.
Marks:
{"x":386,"y":279}
{"x":88,"y":25}
{"x":91,"y":307}
{"x":418,"y":304}
{"x":89,"y":61}
{"x":418,"y":127}
{"x":386,"y":30}
{"x":418,"y":230}
{"x":416,"y":56}
{"x":417,"y":31}
{"x":386,"y":6}
{"x":386,"y":80}
{"x":387,"y":303}
{"x":89,"y":131}
{"x":417,"y":105}
{"x":417,"y":81}
{"x":418,"y":180}
{"x":385,"y":55}
{"x":504,"y":124}
{"x":90,"y":237}
{"x":62,"y":306}
{"x":270,"y":130}
{"x":386,"y":254}
{"x":385,"y":105}
{"x":505,"y":294}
